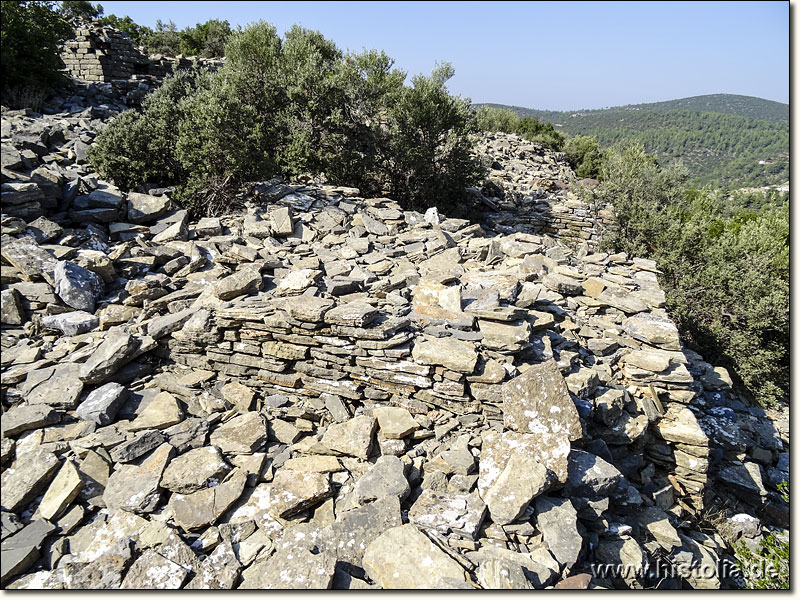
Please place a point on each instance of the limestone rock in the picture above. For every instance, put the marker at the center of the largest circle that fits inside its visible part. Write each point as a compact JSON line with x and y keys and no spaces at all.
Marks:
{"x":448,"y":513}
{"x":520,"y":482}
{"x":385,"y":478}
{"x":117,"y":349}
{"x":404,"y":558}
{"x":454,"y":354}
{"x":353,"y":437}
{"x":557,"y":519}
{"x":62,"y":491}
{"x":194,"y":470}
{"x":136,"y":489}
{"x":244,"y":434}
{"x":395,"y":422}
{"x":292,"y":492}
{"x":103,"y":403}
{"x":538,"y":401}
{"x":202,"y":508}
{"x":79,"y":288}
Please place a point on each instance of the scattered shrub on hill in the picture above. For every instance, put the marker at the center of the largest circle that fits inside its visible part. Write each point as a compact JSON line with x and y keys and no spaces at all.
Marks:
{"x":137,"y":33}
{"x":585,"y":156}
{"x":205,"y":39}
{"x":31,"y":33}
{"x":77,"y":10}
{"x":488,"y":118}
{"x":295,"y":106}
{"x":726,"y":276}
{"x":164,"y":39}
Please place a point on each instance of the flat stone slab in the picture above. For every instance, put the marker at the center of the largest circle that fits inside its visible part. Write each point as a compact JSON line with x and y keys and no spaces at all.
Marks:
{"x":538,"y":401}
{"x":404,"y":558}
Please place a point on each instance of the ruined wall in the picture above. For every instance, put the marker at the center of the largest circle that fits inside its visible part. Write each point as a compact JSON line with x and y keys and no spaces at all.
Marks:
{"x":102,"y":54}
{"x":532,"y":190}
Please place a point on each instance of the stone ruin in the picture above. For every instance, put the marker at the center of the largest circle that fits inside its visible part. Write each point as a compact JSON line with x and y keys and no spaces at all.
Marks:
{"x":100,"y":54}
{"x":325,"y":390}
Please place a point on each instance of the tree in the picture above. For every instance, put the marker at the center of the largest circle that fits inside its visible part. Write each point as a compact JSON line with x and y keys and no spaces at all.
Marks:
{"x":585,"y":156}
{"x":80,"y":10}
{"x":31,"y":33}
{"x":205,"y":39}
{"x":164,"y":39}
{"x":137,"y":33}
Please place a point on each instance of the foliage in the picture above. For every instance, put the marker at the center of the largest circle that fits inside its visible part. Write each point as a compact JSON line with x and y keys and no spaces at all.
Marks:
{"x":137,"y":33}
{"x":31,"y":33}
{"x":585,"y":156}
{"x":164,"y":39}
{"x":205,"y":39}
{"x":722,"y":139}
{"x":488,"y":118}
{"x":80,"y":10}
{"x":769,"y":568}
{"x":292,"y":106}
{"x":726,"y":276}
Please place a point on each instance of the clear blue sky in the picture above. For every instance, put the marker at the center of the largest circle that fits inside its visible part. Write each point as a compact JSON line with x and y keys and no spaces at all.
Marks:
{"x":547,"y":55}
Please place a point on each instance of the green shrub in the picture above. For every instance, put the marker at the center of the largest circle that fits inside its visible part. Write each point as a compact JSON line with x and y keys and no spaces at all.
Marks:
{"x":488,"y":118}
{"x":205,"y":39}
{"x":137,"y":33}
{"x":726,"y":276}
{"x":31,"y":33}
{"x":585,"y":156}
{"x":531,"y":128}
{"x":77,"y":10}
{"x":164,"y":39}
{"x":295,"y":106}
{"x":429,"y":157}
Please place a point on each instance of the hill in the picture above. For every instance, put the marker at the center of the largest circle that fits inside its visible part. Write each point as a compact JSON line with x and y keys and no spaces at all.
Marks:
{"x":716,"y":136}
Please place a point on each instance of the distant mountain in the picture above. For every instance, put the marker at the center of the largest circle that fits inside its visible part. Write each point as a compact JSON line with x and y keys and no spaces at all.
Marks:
{"x":724,"y":140}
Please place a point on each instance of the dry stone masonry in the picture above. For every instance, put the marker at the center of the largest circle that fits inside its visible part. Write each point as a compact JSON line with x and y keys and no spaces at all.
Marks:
{"x":100,"y":54}
{"x":533,"y":190}
{"x":324,"y":390}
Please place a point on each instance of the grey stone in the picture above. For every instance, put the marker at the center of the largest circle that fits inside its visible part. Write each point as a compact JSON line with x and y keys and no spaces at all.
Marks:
{"x":102,"y":404}
{"x":244,"y":434}
{"x":194,"y":470}
{"x":557,"y":519}
{"x":538,"y":401}
{"x":23,"y":418}
{"x":136,"y":489}
{"x":385,"y":478}
{"x":116,"y":350}
{"x":458,"y":514}
{"x":404,"y":558}
{"x":72,"y":323}
{"x":27,"y":477}
{"x":522,"y":479}
{"x":79,"y":288}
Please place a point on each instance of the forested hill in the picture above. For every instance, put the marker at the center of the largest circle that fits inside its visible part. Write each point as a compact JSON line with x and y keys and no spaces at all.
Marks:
{"x":719,"y":144}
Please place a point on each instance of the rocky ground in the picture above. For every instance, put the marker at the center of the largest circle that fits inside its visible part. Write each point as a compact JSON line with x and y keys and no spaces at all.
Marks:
{"x":329,"y":391}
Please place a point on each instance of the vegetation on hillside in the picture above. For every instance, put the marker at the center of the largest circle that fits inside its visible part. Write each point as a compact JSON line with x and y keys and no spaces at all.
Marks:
{"x":725,"y":270}
{"x":31,"y":32}
{"x":290,"y":106}
{"x":724,"y":150}
{"x":530,"y":128}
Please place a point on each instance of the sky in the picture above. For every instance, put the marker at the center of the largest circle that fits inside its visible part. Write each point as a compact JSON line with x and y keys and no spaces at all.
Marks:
{"x":544,"y":55}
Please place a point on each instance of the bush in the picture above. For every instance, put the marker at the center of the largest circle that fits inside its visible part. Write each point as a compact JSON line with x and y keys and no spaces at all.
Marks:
{"x":726,"y":276}
{"x":164,"y":39}
{"x":585,"y":156}
{"x":531,"y":128}
{"x":137,"y":33}
{"x":296,"y":106}
{"x":31,"y":33}
{"x":80,"y":10}
{"x":205,"y":39}
{"x":488,"y":118}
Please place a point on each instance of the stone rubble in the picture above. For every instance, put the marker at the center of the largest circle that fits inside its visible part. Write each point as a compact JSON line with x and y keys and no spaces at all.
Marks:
{"x":326,"y":390}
